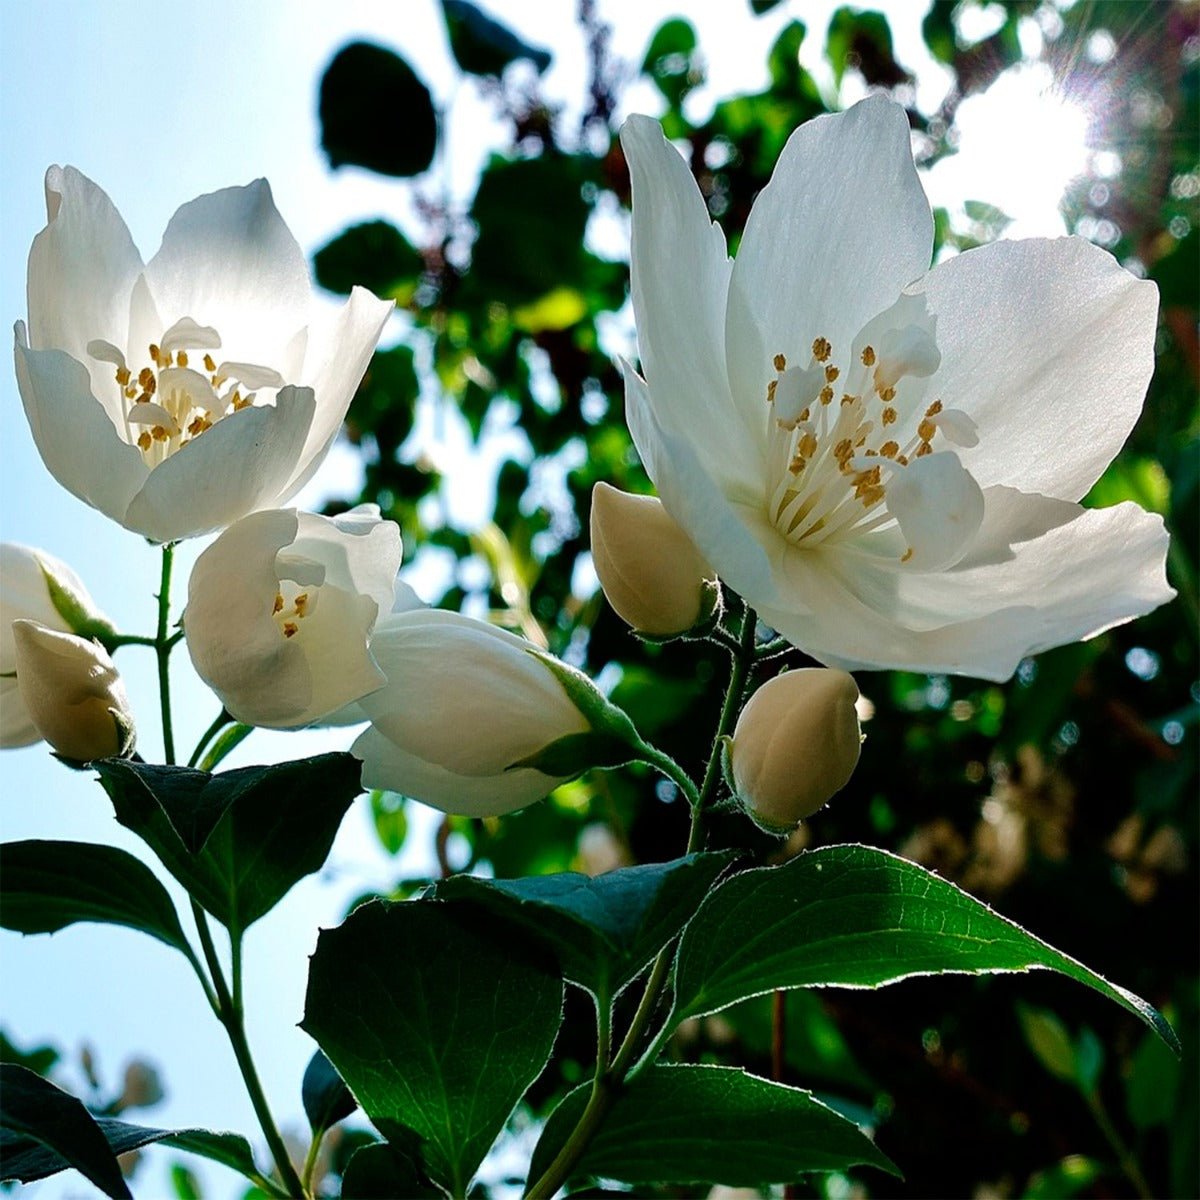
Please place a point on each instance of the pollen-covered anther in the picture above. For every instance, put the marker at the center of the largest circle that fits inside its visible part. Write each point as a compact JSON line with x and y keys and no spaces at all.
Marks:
{"x":278,"y":604}
{"x":807,"y":446}
{"x":868,"y":356}
{"x":923,"y":449}
{"x":889,"y":416}
{"x":147,"y":381}
{"x":144,"y":440}
{"x":847,"y":398}
{"x":934,"y":409}
{"x":301,"y":603}
{"x":826,"y":396}
{"x":290,"y":629}
{"x":123,"y":376}
{"x":159,"y":433}
{"x":821,"y":349}
{"x":771,"y":390}
{"x":779,"y":362}
{"x":181,"y":358}
{"x":831,"y":373}
{"x":906,"y":555}
{"x":926,"y":430}
{"x":887,"y":394}
{"x":209,"y":365}
{"x":889,"y":449}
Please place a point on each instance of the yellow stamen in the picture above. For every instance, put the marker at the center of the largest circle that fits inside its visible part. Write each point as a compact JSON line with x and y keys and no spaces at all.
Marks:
{"x":934,"y":409}
{"x":159,"y":433}
{"x":123,"y":376}
{"x":290,"y":629}
{"x":209,"y":365}
{"x":923,"y":449}
{"x":906,"y":555}
{"x":889,"y":416}
{"x":926,"y":430}
{"x":144,"y":440}
{"x":780,"y":362}
{"x":887,"y":394}
{"x":278,"y":603}
{"x":301,"y":603}
{"x":868,"y":356}
{"x":771,"y":390}
{"x":821,"y":349}
{"x":831,"y":373}
{"x":182,"y":358}
{"x":826,"y":395}
{"x":889,"y":449}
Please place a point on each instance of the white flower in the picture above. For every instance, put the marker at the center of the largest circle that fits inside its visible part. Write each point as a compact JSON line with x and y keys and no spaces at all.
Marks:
{"x":178,"y":395}
{"x":795,"y":745}
{"x":280,"y":611}
{"x":651,"y":573}
{"x":464,"y":702}
{"x":72,"y":692}
{"x":884,"y":462}
{"x":39,"y":587}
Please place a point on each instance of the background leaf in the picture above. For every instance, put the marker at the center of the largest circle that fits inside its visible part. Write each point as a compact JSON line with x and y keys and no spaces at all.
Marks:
{"x":326,"y":1098}
{"x":436,"y":1020}
{"x":685,"y":1124}
{"x":482,"y":46}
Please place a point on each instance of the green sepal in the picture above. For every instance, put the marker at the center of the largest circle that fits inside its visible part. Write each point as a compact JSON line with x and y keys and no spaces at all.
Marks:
{"x":574,"y":753}
{"x":80,"y":619}
{"x":600,"y":713}
{"x":712,"y":609}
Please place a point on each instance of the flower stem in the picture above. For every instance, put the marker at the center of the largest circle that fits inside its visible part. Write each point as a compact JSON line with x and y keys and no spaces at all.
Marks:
{"x":607,"y":1083}
{"x":222,"y":719}
{"x":1125,"y":1157}
{"x":310,"y":1161}
{"x":231,"y":1016}
{"x":162,"y":649}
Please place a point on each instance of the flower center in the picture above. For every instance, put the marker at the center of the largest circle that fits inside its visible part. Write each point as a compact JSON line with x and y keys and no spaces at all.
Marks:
{"x":168,"y":401}
{"x":840,"y":435}
{"x":292,"y":605}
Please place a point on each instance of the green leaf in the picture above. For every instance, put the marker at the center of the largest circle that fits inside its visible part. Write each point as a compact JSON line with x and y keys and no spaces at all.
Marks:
{"x":863,"y":40}
{"x":326,"y":1098}
{"x":27,"y":1159}
{"x":1066,"y":1178}
{"x":482,"y":46}
{"x":39,"y":1060}
{"x":185,"y":1185}
{"x":36,"y":1114}
{"x":1048,"y":1038}
{"x":391,"y":820}
{"x":759,"y":7}
{"x":685,"y":1124}
{"x":240,"y":840}
{"x":672,"y":60}
{"x":1152,"y":1085}
{"x":46,"y":886}
{"x":373,"y":255}
{"x":852,"y":916}
{"x":381,"y":1172}
{"x":603,"y":930}
{"x":376,"y":113}
{"x":436,"y":1020}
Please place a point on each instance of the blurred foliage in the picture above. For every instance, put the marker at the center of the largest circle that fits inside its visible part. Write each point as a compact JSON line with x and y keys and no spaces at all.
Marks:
{"x":1067,"y":796}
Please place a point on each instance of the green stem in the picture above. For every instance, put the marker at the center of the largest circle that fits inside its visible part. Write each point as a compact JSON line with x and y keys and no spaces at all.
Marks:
{"x":223,"y":719}
{"x":231,"y":1016}
{"x":1125,"y":1157}
{"x":666,"y":765}
{"x":117,"y":640}
{"x":162,"y":648}
{"x":607,"y":1084}
{"x":310,"y":1161}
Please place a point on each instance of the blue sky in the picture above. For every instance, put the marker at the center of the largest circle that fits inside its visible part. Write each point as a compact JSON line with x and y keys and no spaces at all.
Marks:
{"x":159,"y":102}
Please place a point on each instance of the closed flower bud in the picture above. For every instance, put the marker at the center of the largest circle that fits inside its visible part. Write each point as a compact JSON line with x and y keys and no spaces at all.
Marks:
{"x":652,"y":574}
{"x":796,"y":743}
{"x":72,"y":692}
{"x":38,"y":587}
{"x":477,"y":721}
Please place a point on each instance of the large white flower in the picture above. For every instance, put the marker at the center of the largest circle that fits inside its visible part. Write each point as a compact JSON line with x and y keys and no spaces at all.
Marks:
{"x":180,"y":394}
{"x":464,"y":704}
{"x":886,"y":461}
{"x":281,"y":608}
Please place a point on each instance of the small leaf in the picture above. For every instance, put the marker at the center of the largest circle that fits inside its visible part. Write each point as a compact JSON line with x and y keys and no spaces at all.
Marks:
{"x":864,"y":40}
{"x":381,"y":1172}
{"x":851,"y":916}
{"x":686,"y":1124}
{"x":376,"y":113}
{"x":46,"y":886}
{"x":672,"y":60}
{"x":436,"y":1021}
{"x":185,"y":1185}
{"x":238,"y":841}
{"x":391,"y":820}
{"x":482,"y":46}
{"x":34,"y":1113}
{"x":1152,"y":1085}
{"x":759,"y":7}
{"x":1049,"y":1040}
{"x":327,"y":1100}
{"x":39,"y":1060}
{"x":604,"y":929}
{"x":373,"y":255}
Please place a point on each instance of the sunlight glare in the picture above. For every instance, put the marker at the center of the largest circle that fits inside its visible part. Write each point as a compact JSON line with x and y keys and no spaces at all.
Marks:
{"x":1022,"y":143}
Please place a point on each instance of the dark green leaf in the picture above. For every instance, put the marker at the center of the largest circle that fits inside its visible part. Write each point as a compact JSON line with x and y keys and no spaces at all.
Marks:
{"x":240,"y":840}
{"x":326,"y":1098}
{"x":482,"y":46}
{"x":37,"y":1115}
{"x":45,"y":886}
{"x":373,"y":255}
{"x":381,"y":1172}
{"x":436,"y":1021}
{"x":605,"y":929}
{"x":852,"y":916}
{"x":1152,"y":1085}
{"x":185,"y":1185}
{"x":685,"y":1124}
{"x":376,"y":113}
{"x":27,"y":1160}
{"x":672,"y":60}
{"x":39,"y":1060}
{"x":863,"y":40}
{"x":759,"y":7}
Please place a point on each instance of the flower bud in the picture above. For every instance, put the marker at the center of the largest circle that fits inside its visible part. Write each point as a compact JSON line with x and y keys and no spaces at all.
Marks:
{"x":39,"y":587}
{"x":72,"y":692}
{"x":477,"y":721}
{"x":651,"y":573}
{"x":796,"y":743}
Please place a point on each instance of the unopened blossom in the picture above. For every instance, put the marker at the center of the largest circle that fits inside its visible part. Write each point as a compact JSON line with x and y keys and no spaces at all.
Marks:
{"x":651,"y":573}
{"x":36,"y":586}
{"x":72,"y":692}
{"x":281,"y":608}
{"x":885,"y":460}
{"x":795,"y":745}
{"x":180,"y":394}
{"x":465,"y":705}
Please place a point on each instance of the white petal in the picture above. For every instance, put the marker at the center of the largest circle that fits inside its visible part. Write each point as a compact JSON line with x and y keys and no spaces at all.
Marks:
{"x":198,"y":389}
{"x":232,"y":636}
{"x":679,"y":280}
{"x":721,"y":530}
{"x":16,"y":725}
{"x":1101,"y":568}
{"x":360,"y":551}
{"x":73,"y":433}
{"x":939,"y":508}
{"x":841,"y":228}
{"x":82,"y":267}
{"x":149,"y":413}
{"x":185,"y":334}
{"x":251,"y":375}
{"x":388,"y":766}
{"x":1049,"y":346}
{"x":343,"y":352}
{"x":237,"y":466}
{"x":228,"y":260}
